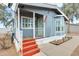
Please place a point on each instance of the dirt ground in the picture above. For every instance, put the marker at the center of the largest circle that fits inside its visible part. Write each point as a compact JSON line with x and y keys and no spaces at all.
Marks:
{"x":75,"y":52}
{"x":9,"y":52}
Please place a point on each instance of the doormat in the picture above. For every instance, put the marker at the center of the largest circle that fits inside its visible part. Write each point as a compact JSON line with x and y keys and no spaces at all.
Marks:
{"x":60,"y":41}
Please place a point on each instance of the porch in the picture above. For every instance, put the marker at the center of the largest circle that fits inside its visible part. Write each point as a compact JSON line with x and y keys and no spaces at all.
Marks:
{"x":31,"y":24}
{"x":36,"y":25}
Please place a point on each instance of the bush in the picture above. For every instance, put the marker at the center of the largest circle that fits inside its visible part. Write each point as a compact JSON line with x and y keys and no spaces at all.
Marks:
{"x":5,"y":40}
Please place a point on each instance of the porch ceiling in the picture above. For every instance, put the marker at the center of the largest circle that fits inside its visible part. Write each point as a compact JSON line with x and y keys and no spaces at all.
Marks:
{"x":26,"y":13}
{"x":41,"y":7}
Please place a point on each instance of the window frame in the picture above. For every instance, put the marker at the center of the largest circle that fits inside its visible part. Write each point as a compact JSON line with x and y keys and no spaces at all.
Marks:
{"x":59,"y":26}
{"x":30,"y":23}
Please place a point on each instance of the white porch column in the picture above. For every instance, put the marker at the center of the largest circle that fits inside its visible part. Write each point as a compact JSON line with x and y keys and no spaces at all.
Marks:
{"x":44,"y":25}
{"x":33,"y":24}
{"x":19,"y":32}
{"x":18,"y":18}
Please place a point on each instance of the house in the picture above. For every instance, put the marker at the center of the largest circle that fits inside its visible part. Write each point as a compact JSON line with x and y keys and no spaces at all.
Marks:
{"x":40,"y":21}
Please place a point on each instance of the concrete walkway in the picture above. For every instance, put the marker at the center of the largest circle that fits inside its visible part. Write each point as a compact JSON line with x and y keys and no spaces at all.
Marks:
{"x":40,"y":54}
{"x":65,"y":49}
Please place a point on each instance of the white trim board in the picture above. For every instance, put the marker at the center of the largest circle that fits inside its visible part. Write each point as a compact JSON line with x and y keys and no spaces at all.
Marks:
{"x":22,"y":23}
{"x":49,"y":39}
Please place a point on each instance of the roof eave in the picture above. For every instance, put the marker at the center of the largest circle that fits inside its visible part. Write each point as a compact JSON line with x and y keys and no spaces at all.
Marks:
{"x":54,"y":7}
{"x":63,"y":14}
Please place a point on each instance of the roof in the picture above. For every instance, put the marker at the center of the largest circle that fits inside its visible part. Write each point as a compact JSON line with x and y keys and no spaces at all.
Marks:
{"x":45,"y":5}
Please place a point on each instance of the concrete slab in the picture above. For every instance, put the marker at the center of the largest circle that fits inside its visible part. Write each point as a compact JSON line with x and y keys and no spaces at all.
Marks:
{"x":40,"y":54}
{"x":64,"y":49}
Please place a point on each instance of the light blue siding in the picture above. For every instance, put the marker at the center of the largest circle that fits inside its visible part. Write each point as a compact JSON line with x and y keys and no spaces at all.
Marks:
{"x":27,"y":33}
{"x":49,"y":23}
{"x":59,"y":25}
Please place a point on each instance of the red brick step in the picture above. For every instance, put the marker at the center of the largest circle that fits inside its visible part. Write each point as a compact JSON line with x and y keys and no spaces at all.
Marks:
{"x":32,"y":52}
{"x":29,"y":47}
{"x":25,"y":40}
{"x":25,"y":49}
{"x":28,"y":43}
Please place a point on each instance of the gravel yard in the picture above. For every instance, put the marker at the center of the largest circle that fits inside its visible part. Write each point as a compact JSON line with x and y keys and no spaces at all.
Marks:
{"x":7,"y":48}
{"x":9,"y":52}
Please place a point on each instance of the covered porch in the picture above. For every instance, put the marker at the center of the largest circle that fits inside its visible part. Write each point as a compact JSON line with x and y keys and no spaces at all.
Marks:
{"x":31,"y":24}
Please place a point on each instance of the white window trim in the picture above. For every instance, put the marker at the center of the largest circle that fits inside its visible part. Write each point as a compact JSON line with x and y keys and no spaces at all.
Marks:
{"x":22,"y":23}
{"x":44,"y":25}
{"x":61,"y":25}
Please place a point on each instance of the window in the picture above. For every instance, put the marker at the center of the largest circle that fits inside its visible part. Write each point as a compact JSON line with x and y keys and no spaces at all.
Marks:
{"x":57,"y":25}
{"x":62,"y":28}
{"x":27,"y":22}
{"x":58,"y":28}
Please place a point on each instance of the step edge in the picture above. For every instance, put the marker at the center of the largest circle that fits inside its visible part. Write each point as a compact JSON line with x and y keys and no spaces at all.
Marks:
{"x":31,"y":51}
{"x":25,"y":50}
{"x":28,"y":42}
{"x":30,"y":46}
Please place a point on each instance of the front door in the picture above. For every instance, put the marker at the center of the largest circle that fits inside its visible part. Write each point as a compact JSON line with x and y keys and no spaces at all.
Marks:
{"x":38,"y":26}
